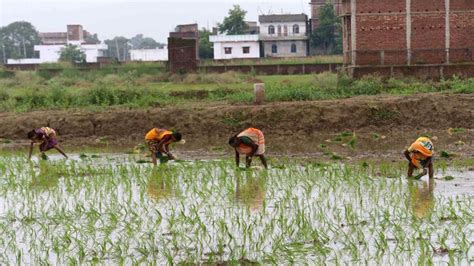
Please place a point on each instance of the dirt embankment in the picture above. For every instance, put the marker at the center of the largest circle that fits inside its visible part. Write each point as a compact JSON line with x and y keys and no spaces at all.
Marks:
{"x":307,"y":123}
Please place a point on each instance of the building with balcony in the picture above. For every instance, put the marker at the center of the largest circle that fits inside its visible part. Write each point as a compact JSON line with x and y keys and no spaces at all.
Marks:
{"x":284,"y":35}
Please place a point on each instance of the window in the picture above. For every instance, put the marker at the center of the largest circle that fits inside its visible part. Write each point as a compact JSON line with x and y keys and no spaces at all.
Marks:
{"x":271,"y":29}
{"x":285,"y":30}
{"x":246,"y":50}
{"x":293,"y":48}
{"x":274,"y":49}
{"x":296,"y":29}
{"x":279,"y":30}
{"x":228,"y":50}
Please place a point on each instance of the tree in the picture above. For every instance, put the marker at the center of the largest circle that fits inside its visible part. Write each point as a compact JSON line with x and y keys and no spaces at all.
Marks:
{"x":17,"y":40}
{"x":328,"y":36}
{"x":141,"y":42}
{"x":205,"y":46}
{"x":119,"y":47}
{"x":72,"y":53}
{"x":234,"y":23}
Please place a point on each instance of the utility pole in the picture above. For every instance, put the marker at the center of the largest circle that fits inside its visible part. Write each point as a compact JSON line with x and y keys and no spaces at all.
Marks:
{"x":24,"y":47}
{"x":3,"y":50}
{"x":117,"y":49}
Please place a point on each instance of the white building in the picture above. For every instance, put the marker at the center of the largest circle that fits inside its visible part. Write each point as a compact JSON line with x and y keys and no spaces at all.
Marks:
{"x":53,"y":43}
{"x":51,"y":53}
{"x":235,"y":46}
{"x":284,"y":35}
{"x":149,"y":54}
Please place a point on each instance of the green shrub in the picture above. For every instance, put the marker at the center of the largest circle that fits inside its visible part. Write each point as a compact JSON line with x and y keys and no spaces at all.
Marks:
{"x":6,"y":74}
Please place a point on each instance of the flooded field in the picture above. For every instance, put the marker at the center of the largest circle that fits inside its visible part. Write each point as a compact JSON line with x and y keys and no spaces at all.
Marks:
{"x":110,"y":209}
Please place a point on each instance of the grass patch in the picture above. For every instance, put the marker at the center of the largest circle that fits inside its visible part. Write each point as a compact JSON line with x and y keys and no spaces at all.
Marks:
{"x":142,"y":86}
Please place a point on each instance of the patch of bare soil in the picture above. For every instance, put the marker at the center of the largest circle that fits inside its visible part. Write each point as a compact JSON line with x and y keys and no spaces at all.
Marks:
{"x":382,"y":124}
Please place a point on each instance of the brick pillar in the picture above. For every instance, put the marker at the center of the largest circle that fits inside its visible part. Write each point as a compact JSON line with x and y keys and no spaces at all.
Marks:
{"x":448,"y":29}
{"x":408,"y":27}
{"x":353,"y":31}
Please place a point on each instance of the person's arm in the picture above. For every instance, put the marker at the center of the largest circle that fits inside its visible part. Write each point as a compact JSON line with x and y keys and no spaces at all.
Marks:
{"x":264,"y":161}
{"x":167,"y":151}
{"x":254,"y":149}
{"x":61,"y":151}
{"x":162,"y":146}
{"x":153,"y":158}
{"x":237,"y":158}
{"x":248,"y":161}
{"x":407,"y":155}
{"x":46,"y":141}
{"x":430,"y":167}
{"x":421,"y":175}
{"x":31,"y":150}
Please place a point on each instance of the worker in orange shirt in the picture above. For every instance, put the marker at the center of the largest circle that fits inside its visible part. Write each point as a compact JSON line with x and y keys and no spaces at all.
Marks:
{"x":158,"y":141}
{"x":420,"y":156}
{"x":249,"y":142}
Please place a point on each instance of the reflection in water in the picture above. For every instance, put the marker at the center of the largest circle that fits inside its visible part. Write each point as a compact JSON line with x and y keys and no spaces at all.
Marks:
{"x":161,"y":184}
{"x":421,"y":197}
{"x":250,"y":189}
{"x":47,"y":177}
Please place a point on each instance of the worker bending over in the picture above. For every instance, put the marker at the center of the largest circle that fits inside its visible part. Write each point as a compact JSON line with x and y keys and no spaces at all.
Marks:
{"x":420,"y":155}
{"x":249,"y":142}
{"x":47,"y":138}
{"x":158,"y":141}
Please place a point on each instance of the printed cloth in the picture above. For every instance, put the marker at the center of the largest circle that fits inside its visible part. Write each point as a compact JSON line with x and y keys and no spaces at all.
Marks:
{"x":157,"y":134}
{"x":421,"y":150}
{"x":48,"y":145}
{"x":44,"y":135}
{"x":256,"y":136}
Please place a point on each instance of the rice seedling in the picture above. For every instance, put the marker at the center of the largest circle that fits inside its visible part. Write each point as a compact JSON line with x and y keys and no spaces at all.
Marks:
{"x":109,"y":209}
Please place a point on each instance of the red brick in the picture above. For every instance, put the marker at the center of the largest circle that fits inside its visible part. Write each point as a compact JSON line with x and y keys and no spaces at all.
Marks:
{"x":381,"y":26}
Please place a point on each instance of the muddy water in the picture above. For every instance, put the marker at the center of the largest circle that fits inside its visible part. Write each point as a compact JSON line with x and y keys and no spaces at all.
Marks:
{"x":111,"y":209}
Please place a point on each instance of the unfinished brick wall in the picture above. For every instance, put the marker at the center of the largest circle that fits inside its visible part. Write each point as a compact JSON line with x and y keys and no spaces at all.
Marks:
{"x":462,"y":31}
{"x":386,"y":32}
{"x":182,"y":55}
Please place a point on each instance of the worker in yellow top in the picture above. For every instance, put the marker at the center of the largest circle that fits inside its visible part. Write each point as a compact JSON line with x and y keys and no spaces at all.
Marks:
{"x":250,"y":142}
{"x":46,"y":136}
{"x":420,"y":155}
{"x":158,"y":141}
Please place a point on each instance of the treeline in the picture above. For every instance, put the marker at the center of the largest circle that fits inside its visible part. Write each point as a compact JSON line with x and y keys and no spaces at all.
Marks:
{"x":17,"y":41}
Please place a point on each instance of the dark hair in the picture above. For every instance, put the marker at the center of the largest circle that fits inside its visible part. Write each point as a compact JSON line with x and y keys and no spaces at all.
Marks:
{"x":233,"y":141}
{"x":177,"y":136}
{"x":31,"y":134}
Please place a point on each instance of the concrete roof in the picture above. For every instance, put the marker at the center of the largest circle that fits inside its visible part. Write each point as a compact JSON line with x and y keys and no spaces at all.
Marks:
{"x":234,"y":38}
{"x":282,"y":18}
{"x":52,"y":34}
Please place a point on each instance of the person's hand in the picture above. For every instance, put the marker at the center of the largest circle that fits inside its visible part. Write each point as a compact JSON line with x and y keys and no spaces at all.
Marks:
{"x":171,"y":156}
{"x":421,"y":175}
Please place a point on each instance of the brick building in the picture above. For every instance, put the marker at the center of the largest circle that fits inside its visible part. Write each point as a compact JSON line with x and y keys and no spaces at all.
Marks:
{"x":316,"y":7}
{"x":407,"y":32}
{"x":183,"y":48}
{"x":74,"y":33}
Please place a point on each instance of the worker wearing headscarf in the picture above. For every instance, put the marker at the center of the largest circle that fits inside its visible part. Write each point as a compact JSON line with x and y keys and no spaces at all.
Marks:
{"x":420,"y":156}
{"x":158,"y":141}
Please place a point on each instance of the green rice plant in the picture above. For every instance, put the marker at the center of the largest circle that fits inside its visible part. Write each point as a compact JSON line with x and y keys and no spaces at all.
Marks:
{"x":111,"y":209}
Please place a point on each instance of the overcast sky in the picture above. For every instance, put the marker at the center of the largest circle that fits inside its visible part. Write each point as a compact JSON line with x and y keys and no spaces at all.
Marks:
{"x":154,"y":18}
